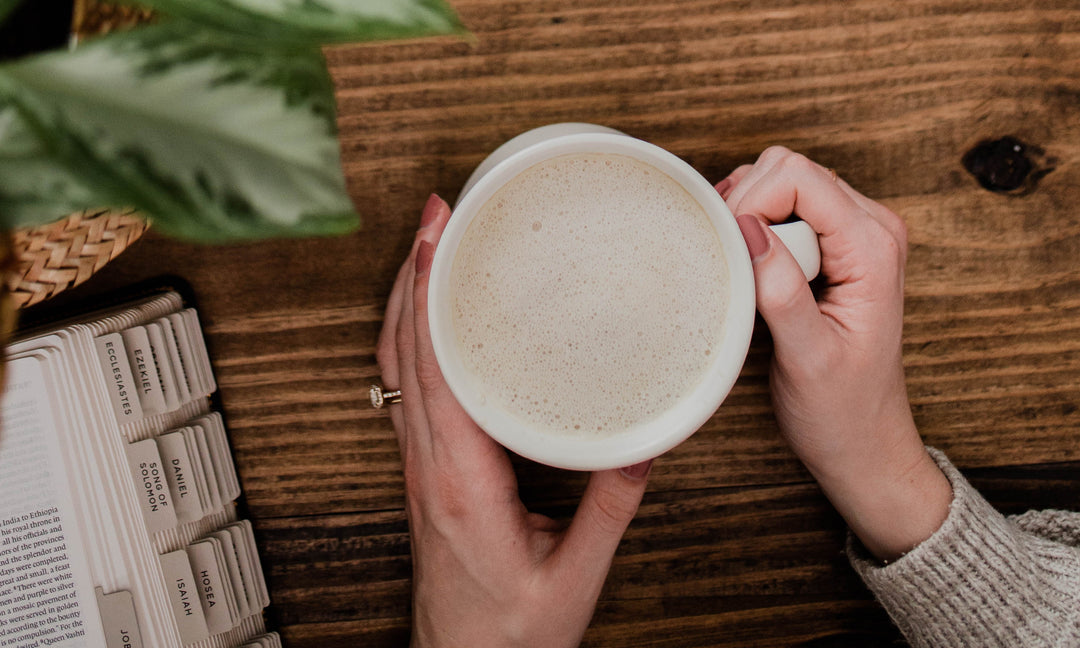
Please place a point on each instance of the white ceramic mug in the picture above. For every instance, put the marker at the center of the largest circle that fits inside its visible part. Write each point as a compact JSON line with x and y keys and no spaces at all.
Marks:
{"x":650,"y":438}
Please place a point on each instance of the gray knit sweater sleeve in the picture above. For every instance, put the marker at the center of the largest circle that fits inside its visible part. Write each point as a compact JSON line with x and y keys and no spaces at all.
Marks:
{"x":983,"y":580}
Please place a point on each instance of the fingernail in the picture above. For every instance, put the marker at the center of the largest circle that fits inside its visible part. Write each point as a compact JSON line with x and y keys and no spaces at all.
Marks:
{"x":431,"y":210}
{"x":638,"y":470}
{"x":425,"y":254}
{"x":723,"y":187}
{"x":753,"y":231}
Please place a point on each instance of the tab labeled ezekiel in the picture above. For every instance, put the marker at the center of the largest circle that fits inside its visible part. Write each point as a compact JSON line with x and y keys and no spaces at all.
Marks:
{"x":145,"y":369}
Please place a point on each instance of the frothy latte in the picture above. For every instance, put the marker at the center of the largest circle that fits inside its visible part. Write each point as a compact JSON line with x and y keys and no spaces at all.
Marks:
{"x":589,"y":294}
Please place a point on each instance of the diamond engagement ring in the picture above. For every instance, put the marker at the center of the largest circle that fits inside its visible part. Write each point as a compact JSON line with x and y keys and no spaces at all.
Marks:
{"x":380,"y":397}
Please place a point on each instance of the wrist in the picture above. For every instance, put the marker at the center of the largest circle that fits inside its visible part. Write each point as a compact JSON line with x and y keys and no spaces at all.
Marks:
{"x":894,"y":508}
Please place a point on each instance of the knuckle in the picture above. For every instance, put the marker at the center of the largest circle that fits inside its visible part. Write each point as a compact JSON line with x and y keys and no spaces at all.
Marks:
{"x":774,"y":153}
{"x":892,"y":240}
{"x":611,"y":512}
{"x":447,"y":495}
{"x":428,"y":374}
{"x":899,"y":229}
{"x":894,"y":246}
{"x":778,"y":298}
{"x":436,"y":492}
{"x":797,"y":163}
{"x":885,"y":252}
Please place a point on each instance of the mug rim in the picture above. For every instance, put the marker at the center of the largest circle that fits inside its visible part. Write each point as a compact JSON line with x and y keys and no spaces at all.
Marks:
{"x":644,"y":440}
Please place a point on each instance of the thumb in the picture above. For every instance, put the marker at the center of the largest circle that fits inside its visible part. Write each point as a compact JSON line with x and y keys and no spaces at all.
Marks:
{"x":611,"y":500}
{"x":784,"y":297}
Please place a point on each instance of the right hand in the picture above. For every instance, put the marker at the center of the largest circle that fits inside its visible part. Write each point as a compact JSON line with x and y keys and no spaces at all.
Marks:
{"x":837,"y":374}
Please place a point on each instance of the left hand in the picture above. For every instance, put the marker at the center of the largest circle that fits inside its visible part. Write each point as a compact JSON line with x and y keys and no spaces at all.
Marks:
{"x":486,"y":571}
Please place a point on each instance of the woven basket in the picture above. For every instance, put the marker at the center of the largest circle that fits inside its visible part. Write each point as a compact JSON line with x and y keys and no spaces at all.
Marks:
{"x":93,"y":18}
{"x":52,"y":258}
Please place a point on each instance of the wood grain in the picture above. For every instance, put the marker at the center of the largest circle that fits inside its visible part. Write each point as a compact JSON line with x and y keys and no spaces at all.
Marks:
{"x":733,"y":547}
{"x":743,"y":566}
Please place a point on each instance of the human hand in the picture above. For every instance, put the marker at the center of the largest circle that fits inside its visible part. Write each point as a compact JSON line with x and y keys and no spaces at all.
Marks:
{"x":837,"y":375}
{"x":486,"y":571}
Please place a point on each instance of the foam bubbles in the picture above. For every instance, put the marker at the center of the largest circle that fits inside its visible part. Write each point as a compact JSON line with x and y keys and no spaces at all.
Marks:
{"x":588,"y":294}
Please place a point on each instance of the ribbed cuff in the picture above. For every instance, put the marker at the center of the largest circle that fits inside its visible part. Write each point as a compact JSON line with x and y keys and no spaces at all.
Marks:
{"x":978,"y":581}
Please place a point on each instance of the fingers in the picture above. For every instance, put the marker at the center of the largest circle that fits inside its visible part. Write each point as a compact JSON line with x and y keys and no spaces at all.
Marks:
{"x":783,"y":296}
{"x":728,"y":184}
{"x":610,"y":502}
{"x":436,"y":214}
{"x":779,"y":184}
{"x":429,"y":375}
{"x":746,"y":176}
{"x":743,"y":180}
{"x":386,"y":348}
{"x":457,"y":435}
{"x":796,"y":185}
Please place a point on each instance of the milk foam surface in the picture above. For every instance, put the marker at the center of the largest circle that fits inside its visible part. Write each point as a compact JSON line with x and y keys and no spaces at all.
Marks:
{"x":589,"y":294}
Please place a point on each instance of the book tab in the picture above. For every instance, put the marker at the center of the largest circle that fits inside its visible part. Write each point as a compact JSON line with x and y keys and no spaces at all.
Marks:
{"x":180,"y":475}
{"x":192,"y":366}
{"x":246,"y":558}
{"x":198,"y":345}
{"x":183,"y":384}
{"x":151,"y":485}
{"x":197,"y":465}
{"x":226,"y":578}
{"x":253,"y":555}
{"x":118,"y":619}
{"x":114,"y":363}
{"x":163,"y":365}
{"x":141,"y":358}
{"x":221,"y":454}
{"x":183,"y":597}
{"x":213,"y":591}
{"x":232,"y":565}
{"x":197,"y":439}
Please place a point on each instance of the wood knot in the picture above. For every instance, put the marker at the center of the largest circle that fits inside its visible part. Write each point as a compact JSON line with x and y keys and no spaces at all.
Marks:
{"x":1006,"y":165}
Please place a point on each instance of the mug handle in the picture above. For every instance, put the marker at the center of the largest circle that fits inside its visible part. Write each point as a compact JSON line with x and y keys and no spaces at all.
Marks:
{"x":801,"y":240}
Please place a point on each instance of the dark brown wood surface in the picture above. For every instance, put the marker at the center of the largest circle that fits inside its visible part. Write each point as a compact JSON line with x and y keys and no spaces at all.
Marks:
{"x":734,"y":545}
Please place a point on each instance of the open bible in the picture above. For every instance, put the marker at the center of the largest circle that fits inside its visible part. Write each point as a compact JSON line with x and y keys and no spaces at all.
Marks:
{"x":118,"y":516}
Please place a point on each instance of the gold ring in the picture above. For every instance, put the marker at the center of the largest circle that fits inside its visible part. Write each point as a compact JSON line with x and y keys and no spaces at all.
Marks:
{"x":379,"y":397}
{"x":835,"y":177}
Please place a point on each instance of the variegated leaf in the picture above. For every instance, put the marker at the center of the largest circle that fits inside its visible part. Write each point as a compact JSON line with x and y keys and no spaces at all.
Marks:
{"x":306,"y":23}
{"x":212,"y":143}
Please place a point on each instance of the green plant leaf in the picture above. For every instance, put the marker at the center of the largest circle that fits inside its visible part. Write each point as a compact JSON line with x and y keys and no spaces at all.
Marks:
{"x":35,"y":190}
{"x":211,"y":143}
{"x":306,"y":23}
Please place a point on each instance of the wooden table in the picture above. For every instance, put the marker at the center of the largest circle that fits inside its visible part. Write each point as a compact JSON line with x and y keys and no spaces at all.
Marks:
{"x":734,"y":544}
